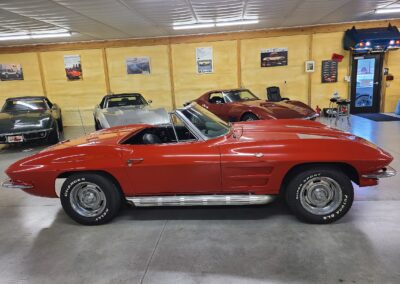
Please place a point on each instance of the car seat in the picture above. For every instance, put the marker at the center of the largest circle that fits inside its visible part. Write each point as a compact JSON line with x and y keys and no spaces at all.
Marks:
{"x":150,"y":138}
{"x":274,"y":94}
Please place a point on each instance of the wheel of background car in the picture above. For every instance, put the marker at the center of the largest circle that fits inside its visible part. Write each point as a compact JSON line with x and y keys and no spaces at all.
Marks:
{"x":90,"y":199}
{"x":249,"y":117}
{"x":319,"y":195}
{"x":96,"y":125}
{"x":54,"y":135}
{"x":60,"y":124}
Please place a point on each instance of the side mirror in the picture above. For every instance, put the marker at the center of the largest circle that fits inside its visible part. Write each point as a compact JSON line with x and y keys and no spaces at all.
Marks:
{"x":149,"y":101}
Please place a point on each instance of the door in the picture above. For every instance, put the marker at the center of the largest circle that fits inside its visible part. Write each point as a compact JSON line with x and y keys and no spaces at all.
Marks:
{"x":366,"y":83}
{"x":173,"y":168}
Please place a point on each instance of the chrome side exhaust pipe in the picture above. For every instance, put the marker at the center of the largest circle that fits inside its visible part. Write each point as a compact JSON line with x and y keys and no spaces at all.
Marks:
{"x":200,"y":200}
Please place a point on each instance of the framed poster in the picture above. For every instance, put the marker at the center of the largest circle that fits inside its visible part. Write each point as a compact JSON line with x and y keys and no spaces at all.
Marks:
{"x":310,"y":66}
{"x":10,"y":72}
{"x":73,"y":68}
{"x":138,"y":65}
{"x":274,"y":57}
{"x":204,"y":60}
{"x":329,"y":71}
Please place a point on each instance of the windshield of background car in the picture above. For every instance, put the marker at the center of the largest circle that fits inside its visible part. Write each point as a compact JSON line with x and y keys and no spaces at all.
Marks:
{"x":239,"y":96}
{"x":209,"y":124}
{"x":122,"y":101}
{"x":25,"y":105}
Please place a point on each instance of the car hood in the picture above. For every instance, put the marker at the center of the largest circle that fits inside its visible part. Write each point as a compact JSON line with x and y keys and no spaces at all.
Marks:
{"x":116,"y":116}
{"x":287,"y":129}
{"x":16,"y":122}
{"x":283,"y":109}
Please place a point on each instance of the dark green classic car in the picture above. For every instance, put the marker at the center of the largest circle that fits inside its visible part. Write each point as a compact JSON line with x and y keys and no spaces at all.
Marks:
{"x":30,"y":119}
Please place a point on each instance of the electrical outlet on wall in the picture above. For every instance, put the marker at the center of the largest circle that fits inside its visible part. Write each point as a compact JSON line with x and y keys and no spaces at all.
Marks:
{"x":347,"y":79}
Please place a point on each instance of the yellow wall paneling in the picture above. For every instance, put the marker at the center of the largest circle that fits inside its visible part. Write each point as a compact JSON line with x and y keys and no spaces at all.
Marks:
{"x":174,"y":80}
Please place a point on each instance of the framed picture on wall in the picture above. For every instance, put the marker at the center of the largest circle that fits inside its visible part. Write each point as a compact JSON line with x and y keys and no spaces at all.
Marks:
{"x":204,"y":60}
{"x":73,"y":67}
{"x":10,"y":72}
{"x":274,"y":57}
{"x":310,"y":66}
{"x":329,"y":71}
{"x":138,"y":65}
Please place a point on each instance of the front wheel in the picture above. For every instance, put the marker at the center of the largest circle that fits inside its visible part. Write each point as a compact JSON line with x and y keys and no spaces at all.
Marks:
{"x":54,"y":135}
{"x":90,"y":199}
{"x":320,"y":196}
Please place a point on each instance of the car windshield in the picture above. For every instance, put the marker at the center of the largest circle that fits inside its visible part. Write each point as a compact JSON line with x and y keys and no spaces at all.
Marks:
{"x":207,"y":123}
{"x":121,"y":101}
{"x":24,"y":105}
{"x":239,"y":96}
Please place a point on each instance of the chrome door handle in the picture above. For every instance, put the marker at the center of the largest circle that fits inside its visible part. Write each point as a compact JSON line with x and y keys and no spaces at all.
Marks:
{"x":130,"y":162}
{"x":258,"y":155}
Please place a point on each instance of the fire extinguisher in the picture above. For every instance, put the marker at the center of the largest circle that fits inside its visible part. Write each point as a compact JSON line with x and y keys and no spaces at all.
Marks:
{"x":318,"y":110}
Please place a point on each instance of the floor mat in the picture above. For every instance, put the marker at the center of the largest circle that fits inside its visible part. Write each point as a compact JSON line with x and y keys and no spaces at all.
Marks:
{"x":378,"y":117}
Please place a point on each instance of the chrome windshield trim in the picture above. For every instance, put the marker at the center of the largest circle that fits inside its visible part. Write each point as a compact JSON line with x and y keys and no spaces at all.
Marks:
{"x":382,"y":173}
{"x":199,"y":135}
{"x":193,"y":128}
{"x":25,"y":132}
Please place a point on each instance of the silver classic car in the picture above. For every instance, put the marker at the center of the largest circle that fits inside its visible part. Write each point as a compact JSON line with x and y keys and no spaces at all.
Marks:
{"x":127,"y":108}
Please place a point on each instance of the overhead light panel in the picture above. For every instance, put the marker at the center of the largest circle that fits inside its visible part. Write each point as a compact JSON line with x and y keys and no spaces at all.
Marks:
{"x":387,"y":11}
{"x":195,"y":26}
{"x":34,"y":36}
{"x":236,"y":23}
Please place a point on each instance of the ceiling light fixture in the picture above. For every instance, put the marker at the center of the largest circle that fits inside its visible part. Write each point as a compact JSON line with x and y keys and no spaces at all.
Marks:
{"x":236,"y":23}
{"x":387,"y":10}
{"x":195,"y":26}
{"x":34,"y":36}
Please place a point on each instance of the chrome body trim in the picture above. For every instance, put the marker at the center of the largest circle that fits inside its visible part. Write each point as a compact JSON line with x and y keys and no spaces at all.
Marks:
{"x":201,"y":200}
{"x":382,"y":173}
{"x":11,"y":184}
{"x":25,"y":132}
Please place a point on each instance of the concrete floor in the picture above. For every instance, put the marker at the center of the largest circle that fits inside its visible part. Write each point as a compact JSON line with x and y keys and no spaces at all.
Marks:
{"x":40,"y":244}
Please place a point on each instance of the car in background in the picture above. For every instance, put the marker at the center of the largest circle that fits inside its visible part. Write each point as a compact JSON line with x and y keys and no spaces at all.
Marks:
{"x":127,"y":108}
{"x":30,"y":119}
{"x":242,"y":105}
{"x":199,"y":159}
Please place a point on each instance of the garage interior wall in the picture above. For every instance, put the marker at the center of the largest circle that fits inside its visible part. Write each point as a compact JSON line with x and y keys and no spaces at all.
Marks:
{"x":174,"y":80}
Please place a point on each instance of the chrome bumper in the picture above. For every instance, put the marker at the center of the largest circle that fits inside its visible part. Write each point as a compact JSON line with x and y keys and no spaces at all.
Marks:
{"x":312,"y":116}
{"x":16,"y":185}
{"x":383,"y":173}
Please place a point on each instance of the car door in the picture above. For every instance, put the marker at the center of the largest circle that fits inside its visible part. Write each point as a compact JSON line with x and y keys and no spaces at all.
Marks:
{"x":173,"y":168}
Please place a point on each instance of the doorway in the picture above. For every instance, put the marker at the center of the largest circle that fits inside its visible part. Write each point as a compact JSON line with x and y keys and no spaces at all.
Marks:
{"x":366,"y":81}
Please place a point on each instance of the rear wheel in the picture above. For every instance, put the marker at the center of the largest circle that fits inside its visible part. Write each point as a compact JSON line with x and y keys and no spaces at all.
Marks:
{"x":249,"y":117}
{"x":319,"y":196}
{"x":90,"y":199}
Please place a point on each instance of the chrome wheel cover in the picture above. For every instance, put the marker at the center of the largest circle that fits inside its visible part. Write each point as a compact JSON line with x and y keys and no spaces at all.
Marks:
{"x":320,"y":195}
{"x":87,"y":199}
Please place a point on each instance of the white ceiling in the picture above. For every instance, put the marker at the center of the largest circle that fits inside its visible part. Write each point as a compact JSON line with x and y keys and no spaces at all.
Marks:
{"x":112,"y":19}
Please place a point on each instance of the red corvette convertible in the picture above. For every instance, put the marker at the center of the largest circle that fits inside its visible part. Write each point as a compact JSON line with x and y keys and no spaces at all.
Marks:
{"x":242,"y":105}
{"x":199,"y":159}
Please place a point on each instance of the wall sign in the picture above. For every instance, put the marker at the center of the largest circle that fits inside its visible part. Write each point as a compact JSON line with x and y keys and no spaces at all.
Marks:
{"x":329,"y":71}
{"x":274,"y":57}
{"x":310,"y":66}
{"x":73,"y":67}
{"x":138,"y":65}
{"x":204,"y":60}
{"x":10,"y":72}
